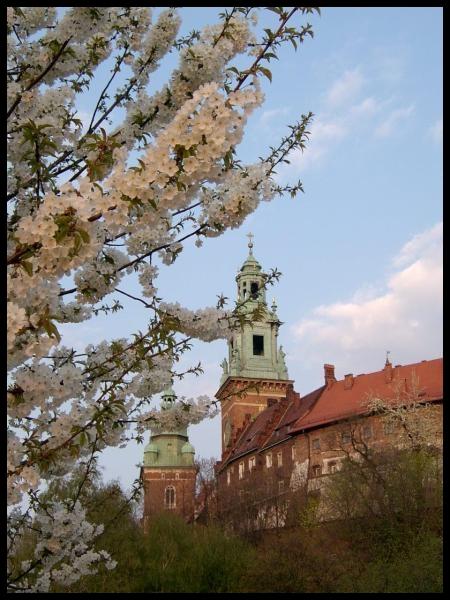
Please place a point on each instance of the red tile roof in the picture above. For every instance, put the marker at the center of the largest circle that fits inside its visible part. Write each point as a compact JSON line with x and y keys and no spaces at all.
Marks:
{"x":335,"y":402}
{"x":296,"y":409}
{"x":327,"y":404}
{"x":270,"y":426}
{"x":254,"y":435}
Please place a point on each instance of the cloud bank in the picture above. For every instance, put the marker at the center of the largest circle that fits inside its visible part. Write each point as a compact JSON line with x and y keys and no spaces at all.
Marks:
{"x":405,"y":317}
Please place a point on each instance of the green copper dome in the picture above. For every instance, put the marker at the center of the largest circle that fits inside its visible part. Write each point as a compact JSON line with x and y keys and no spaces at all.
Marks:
{"x":169,"y":446}
{"x":251,"y":264}
{"x":188,"y":449}
{"x":151,"y":448}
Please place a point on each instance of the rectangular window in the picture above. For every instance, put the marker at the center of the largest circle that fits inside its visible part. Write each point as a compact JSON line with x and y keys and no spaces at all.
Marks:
{"x":251,"y":463}
{"x":346,"y":437}
{"x":316,"y":444}
{"x":177,"y":476}
{"x":241,"y":470}
{"x":293,"y":454}
{"x":269,"y":460}
{"x":280,"y":487}
{"x":280,"y":459}
{"x":332,"y":467}
{"x":367,"y":432}
{"x":317,"y":470}
{"x":389,"y":426}
{"x":228,"y":477}
{"x":258,"y":345}
{"x":163,"y":475}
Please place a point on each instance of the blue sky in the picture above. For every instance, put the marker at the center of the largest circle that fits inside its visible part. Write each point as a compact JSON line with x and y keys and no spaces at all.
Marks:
{"x":361,"y":250}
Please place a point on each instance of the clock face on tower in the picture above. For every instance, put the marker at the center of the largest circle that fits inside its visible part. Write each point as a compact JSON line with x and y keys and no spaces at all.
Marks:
{"x":226,"y":431}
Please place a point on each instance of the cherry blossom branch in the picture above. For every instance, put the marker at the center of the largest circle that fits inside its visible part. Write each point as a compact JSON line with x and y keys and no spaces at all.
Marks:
{"x":40,"y":77}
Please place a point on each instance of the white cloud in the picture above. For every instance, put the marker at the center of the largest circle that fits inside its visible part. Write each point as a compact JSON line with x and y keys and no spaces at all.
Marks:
{"x":436,"y":131}
{"x":423,"y":244}
{"x":366,"y":108}
{"x":388,"y":126}
{"x":390,"y":64}
{"x":268,"y":115}
{"x":405,"y":318}
{"x":324,"y":134}
{"x":345,"y":89}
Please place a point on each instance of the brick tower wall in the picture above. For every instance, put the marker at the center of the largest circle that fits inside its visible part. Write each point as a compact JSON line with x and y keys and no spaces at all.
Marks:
{"x":156,"y":480}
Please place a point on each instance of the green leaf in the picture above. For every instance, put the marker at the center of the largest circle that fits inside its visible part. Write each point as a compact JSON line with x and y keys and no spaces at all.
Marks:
{"x":51,"y":330}
{"x":27,"y":266}
{"x":108,"y":259}
{"x":84,"y":236}
{"x":266,"y":72}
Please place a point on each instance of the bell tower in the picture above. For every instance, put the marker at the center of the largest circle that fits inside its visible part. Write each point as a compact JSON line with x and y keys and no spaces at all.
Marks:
{"x":255,"y":370}
{"x":169,"y":470}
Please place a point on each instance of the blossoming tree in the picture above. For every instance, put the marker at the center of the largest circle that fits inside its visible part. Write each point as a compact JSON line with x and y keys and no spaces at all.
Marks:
{"x":167,"y":174}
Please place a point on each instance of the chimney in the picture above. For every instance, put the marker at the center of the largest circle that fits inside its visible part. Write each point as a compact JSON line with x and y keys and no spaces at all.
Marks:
{"x":348,"y":381}
{"x":292,"y":396}
{"x":329,"y":375}
{"x":388,"y":372}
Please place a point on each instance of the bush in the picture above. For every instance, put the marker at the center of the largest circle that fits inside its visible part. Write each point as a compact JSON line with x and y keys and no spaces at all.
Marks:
{"x":186,"y":558}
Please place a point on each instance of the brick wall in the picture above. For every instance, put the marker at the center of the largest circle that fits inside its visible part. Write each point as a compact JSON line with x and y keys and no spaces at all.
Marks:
{"x":156,"y":482}
{"x":306,"y":460}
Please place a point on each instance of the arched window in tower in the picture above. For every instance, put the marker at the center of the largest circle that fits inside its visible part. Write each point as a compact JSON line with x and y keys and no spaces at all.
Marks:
{"x":254,"y":290}
{"x":169,"y":497}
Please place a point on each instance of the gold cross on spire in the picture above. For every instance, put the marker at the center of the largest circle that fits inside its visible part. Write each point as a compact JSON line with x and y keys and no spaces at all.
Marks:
{"x":250,"y":241}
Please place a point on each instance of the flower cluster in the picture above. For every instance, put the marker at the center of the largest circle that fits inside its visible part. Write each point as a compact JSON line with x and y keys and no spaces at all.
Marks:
{"x":207,"y":324}
{"x":64,"y":550}
{"x":182,"y":413}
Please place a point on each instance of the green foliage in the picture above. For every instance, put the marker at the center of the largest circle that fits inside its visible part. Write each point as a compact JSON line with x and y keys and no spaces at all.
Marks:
{"x":172,"y":557}
{"x":186,"y":558}
{"x":417,"y":568}
{"x":396,"y":548}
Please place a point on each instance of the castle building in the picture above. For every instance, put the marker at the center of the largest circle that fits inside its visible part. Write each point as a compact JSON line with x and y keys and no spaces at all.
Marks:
{"x":168,"y":471}
{"x":273,"y":440}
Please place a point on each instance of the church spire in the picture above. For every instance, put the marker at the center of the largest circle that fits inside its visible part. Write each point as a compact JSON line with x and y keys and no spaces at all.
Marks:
{"x":253,"y":350}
